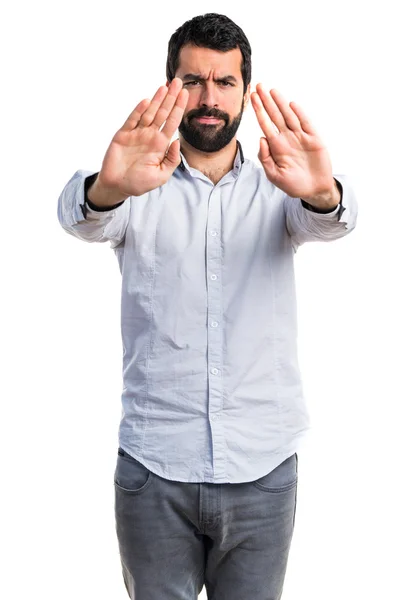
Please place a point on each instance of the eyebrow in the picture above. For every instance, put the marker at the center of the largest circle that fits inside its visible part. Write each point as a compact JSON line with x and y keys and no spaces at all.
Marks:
{"x":192,"y":76}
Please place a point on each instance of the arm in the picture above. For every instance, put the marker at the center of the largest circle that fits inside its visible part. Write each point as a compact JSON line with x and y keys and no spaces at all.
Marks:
{"x":140,"y":158}
{"x":318,"y":206}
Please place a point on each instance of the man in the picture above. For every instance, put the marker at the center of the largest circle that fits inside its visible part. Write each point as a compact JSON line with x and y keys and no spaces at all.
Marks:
{"x":213,"y":409}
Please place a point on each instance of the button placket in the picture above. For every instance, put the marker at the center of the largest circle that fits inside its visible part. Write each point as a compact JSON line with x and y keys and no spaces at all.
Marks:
{"x":214,"y":329}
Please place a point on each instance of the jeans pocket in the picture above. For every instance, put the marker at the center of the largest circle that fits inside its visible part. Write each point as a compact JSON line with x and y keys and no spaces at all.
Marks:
{"x":131,"y":477}
{"x":280,"y":479}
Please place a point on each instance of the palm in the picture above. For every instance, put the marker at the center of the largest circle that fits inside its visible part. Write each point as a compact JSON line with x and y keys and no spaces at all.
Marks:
{"x":294,"y":157}
{"x":135,"y":156}
{"x":139,"y":157}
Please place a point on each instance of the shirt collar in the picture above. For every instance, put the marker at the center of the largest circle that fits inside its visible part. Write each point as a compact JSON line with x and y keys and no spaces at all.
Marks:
{"x":237,"y":164}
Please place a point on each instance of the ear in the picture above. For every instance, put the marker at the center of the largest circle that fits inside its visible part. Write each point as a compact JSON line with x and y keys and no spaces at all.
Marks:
{"x":247,"y":96}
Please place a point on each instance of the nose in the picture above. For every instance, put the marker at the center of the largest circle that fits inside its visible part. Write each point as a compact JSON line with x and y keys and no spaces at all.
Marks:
{"x":208,"y":97}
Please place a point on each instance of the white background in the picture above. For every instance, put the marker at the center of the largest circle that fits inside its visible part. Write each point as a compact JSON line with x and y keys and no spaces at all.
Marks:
{"x":71,"y":73}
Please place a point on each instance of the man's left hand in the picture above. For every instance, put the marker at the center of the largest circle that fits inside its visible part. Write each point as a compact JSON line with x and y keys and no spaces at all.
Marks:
{"x":292,"y":154}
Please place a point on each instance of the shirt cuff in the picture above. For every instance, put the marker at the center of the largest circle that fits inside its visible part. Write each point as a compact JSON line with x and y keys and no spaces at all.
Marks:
{"x":339,"y":209}
{"x":87,"y":202}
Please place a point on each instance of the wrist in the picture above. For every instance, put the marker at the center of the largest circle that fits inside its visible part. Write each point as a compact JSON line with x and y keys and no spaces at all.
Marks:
{"x":326,"y":200}
{"x":104,"y":196}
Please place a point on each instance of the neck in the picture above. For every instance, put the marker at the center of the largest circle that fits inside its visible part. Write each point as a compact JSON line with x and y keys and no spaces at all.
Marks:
{"x":212,"y":164}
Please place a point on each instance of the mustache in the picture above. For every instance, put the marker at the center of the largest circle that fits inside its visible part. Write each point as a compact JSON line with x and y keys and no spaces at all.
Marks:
{"x":207,"y":112}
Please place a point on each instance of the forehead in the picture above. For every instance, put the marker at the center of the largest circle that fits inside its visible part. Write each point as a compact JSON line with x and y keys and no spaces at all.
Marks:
{"x":204,"y":61}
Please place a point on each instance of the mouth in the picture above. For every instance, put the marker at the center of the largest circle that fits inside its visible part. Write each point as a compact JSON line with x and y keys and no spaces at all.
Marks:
{"x":208,"y":120}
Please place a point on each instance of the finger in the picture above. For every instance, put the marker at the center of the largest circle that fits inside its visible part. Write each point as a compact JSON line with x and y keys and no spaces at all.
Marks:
{"x":271,"y":108}
{"x":149,"y":114}
{"x":134,"y":118}
{"x":176,"y":114}
{"x":265,"y":157}
{"x":267,"y":126}
{"x":304,"y":120}
{"x":264,"y":151}
{"x":168,"y":103}
{"x":289,"y":115}
{"x":172,"y":158}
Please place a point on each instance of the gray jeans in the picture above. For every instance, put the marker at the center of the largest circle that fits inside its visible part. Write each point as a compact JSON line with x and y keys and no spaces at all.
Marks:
{"x":175,"y":537}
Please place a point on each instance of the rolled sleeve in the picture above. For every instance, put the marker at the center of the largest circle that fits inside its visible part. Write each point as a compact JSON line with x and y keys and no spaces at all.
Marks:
{"x":305,"y":225}
{"x":79,"y":219}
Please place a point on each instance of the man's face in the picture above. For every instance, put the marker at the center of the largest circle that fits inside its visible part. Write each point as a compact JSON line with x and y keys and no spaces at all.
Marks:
{"x":216,"y":100}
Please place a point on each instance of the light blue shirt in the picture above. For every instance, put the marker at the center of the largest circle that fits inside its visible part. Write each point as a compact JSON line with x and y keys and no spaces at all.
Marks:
{"x":212,"y":388}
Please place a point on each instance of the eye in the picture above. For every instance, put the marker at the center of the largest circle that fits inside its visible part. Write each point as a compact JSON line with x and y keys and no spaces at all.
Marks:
{"x":192,"y":83}
{"x":226,"y":83}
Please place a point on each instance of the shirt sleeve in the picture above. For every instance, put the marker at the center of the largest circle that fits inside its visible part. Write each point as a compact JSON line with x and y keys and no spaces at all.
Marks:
{"x":307,"y":224}
{"x":90,"y":223}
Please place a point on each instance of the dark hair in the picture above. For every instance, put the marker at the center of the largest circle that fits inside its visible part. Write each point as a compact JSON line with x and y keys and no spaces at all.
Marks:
{"x":213,"y":31}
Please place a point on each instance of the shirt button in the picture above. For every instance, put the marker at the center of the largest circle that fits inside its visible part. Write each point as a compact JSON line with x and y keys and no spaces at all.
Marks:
{"x":214,"y":323}
{"x":214,"y":371}
{"x":213,"y":233}
{"x":213,"y":277}
{"x":215,"y":416}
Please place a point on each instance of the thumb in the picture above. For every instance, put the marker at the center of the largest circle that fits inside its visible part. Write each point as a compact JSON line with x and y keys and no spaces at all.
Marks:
{"x":172,"y":158}
{"x":267,"y":161}
{"x":264,"y":153}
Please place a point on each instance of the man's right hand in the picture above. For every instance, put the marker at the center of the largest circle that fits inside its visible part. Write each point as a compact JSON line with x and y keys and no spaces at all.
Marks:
{"x":139,"y":158}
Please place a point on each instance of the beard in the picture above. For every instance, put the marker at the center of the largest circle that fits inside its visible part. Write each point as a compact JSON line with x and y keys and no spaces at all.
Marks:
{"x":206,"y":137}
